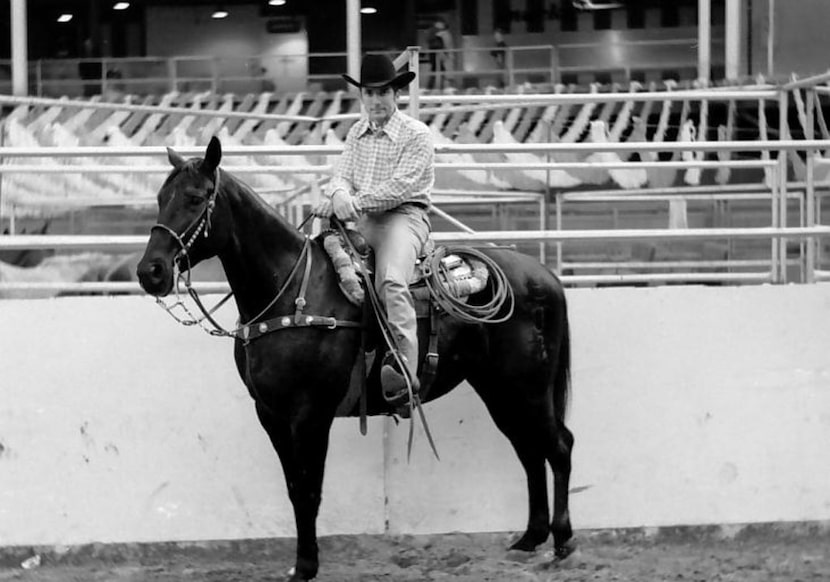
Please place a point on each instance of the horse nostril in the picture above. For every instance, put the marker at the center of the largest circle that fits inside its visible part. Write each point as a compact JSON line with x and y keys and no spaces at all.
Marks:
{"x":153,"y":276}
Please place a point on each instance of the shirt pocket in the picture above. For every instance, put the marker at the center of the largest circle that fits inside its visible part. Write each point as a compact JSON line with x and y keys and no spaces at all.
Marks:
{"x":396,"y":160}
{"x":387,"y":160}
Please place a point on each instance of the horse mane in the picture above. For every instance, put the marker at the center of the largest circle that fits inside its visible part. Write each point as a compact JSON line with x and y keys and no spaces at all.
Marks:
{"x":227,"y":180}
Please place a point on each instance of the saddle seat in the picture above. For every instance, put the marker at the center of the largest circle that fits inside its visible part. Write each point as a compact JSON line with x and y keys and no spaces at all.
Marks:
{"x":460,"y":276}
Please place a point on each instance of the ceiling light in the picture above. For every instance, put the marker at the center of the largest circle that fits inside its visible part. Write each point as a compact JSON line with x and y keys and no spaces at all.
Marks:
{"x":276,"y":2}
{"x":64,"y":18}
{"x":596,"y":4}
{"x":120,"y":5}
{"x":368,"y":10}
{"x":220,"y":13}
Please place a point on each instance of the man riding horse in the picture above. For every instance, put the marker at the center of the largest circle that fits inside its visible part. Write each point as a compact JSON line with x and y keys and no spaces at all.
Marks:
{"x":383,"y":182}
{"x":300,"y":336}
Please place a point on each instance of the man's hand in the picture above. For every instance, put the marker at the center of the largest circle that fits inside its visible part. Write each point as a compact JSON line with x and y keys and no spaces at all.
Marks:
{"x":343,"y":205}
{"x":324,"y":209}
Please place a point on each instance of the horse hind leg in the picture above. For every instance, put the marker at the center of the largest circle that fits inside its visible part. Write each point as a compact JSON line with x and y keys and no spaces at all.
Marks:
{"x":533,"y":462}
{"x":560,"y":463}
{"x":560,"y":455}
{"x":532,"y":418}
{"x":540,"y":436}
{"x":520,"y":421}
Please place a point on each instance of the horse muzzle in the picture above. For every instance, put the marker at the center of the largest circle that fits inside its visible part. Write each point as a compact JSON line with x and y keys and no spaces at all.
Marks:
{"x":155,"y":276}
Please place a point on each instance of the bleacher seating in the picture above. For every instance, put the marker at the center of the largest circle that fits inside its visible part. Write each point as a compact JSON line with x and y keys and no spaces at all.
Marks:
{"x":634,"y":121}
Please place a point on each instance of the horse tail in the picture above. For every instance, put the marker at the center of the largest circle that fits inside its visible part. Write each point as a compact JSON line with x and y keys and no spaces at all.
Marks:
{"x":562,"y":374}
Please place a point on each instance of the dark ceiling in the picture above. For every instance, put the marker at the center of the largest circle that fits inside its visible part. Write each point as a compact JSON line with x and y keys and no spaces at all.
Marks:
{"x":325,"y":20}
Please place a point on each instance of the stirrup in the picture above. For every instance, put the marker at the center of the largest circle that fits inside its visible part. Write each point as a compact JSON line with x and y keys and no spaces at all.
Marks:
{"x":393,"y":383}
{"x":405,"y":409}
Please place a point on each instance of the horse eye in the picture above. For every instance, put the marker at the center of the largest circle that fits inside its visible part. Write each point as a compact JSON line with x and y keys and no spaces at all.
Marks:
{"x":194,"y":200}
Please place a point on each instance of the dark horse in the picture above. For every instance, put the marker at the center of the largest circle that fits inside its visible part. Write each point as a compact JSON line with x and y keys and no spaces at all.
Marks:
{"x":298,"y":375}
{"x":27,"y":257}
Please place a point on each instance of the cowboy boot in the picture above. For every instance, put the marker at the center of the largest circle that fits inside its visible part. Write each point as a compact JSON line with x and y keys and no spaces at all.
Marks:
{"x":393,"y":380}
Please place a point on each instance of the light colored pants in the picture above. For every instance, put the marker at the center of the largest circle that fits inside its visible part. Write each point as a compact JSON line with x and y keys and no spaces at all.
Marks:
{"x":399,"y":236}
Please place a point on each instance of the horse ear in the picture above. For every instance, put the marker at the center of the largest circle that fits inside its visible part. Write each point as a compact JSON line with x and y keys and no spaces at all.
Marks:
{"x":213,"y":156}
{"x":175,"y":159}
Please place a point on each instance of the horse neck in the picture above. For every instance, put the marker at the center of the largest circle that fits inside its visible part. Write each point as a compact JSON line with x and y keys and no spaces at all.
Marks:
{"x":263,"y":250}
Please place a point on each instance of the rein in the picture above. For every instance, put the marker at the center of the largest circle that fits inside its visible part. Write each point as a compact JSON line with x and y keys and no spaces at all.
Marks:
{"x":392,"y":344}
{"x":250,"y":330}
{"x":202,"y":224}
{"x":203,"y":221}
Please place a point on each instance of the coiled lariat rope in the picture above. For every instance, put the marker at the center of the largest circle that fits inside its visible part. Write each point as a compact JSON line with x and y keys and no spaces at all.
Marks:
{"x":458,"y":307}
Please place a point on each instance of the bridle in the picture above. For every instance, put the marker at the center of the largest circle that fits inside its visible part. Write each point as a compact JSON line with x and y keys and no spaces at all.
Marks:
{"x":201,"y":223}
{"x":245,"y":331}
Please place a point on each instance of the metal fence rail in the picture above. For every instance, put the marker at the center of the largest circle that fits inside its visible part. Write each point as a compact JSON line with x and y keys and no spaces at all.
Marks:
{"x":770,"y":155}
{"x":472,"y":65}
{"x":136,"y":242}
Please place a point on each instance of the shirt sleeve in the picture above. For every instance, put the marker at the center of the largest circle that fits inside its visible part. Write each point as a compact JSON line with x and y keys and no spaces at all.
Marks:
{"x":343,"y":178}
{"x":410,"y":176}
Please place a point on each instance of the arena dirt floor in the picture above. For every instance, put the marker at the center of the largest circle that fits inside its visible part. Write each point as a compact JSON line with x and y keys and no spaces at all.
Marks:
{"x":705,"y":555}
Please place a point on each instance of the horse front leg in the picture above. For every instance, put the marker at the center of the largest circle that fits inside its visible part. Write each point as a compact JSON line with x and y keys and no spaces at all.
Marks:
{"x":302,"y":445}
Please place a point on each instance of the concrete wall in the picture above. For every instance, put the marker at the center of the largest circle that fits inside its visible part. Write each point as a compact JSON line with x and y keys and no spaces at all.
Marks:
{"x":690,"y":406}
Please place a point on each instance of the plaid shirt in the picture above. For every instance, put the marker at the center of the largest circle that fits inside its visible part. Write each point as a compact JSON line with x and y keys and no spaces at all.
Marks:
{"x":383,"y":168}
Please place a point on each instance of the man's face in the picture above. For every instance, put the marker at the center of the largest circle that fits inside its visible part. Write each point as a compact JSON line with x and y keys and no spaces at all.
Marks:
{"x":379,"y":103}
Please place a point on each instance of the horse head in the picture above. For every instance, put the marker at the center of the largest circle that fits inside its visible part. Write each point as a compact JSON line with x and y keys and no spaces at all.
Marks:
{"x":189,"y":228}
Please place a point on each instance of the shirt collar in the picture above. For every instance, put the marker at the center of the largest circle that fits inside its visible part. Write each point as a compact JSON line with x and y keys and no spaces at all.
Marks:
{"x":392,"y":128}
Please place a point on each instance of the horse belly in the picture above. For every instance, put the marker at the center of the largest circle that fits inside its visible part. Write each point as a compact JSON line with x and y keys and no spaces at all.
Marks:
{"x":279,"y":371}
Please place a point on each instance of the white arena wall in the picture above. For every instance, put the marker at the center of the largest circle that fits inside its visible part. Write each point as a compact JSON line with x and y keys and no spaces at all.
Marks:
{"x":691,"y":405}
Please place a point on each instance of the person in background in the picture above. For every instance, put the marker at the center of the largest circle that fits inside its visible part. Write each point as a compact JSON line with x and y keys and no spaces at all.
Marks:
{"x":499,"y":54}
{"x":439,"y":43}
{"x":89,"y":69}
{"x":384,"y":181}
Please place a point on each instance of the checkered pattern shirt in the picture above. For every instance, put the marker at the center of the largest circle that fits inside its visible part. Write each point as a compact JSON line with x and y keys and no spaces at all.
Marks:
{"x":384,"y":167}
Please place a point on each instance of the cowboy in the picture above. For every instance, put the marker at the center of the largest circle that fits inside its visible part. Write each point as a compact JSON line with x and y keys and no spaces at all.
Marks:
{"x":383,"y":181}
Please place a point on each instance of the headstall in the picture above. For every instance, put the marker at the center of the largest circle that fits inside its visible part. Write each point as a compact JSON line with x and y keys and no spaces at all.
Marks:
{"x":254,"y":328}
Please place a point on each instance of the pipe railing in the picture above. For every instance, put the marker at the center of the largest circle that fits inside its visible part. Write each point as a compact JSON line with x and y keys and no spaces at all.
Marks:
{"x":778,"y":233}
{"x":127,"y":243}
{"x":247,"y":73}
{"x":814,"y":86}
{"x":144,"y":151}
{"x":537,"y":148}
{"x":137,"y":242}
{"x":152,"y":109}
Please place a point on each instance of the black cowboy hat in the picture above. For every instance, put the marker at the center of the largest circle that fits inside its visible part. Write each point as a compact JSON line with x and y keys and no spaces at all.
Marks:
{"x":377,"y":72}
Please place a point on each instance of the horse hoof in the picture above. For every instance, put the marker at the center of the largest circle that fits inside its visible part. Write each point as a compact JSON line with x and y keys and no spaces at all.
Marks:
{"x":293,"y":576}
{"x":563,"y":551}
{"x":527,"y":543}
